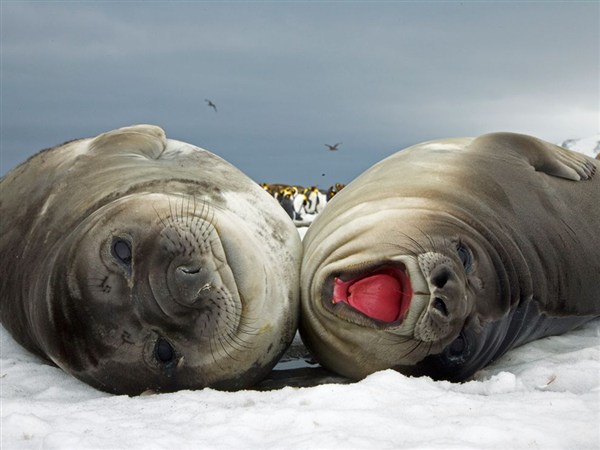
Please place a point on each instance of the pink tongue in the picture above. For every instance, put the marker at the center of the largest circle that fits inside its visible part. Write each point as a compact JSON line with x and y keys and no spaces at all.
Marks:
{"x":378,"y":296}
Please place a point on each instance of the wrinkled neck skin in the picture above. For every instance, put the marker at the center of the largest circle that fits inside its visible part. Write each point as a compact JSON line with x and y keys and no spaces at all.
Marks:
{"x":376,"y":234}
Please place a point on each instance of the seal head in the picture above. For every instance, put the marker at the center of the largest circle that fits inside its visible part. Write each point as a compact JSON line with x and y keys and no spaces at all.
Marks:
{"x":140,"y":263}
{"x":446,"y":255}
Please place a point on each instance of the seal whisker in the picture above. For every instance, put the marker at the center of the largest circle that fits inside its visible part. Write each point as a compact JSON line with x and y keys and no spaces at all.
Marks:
{"x":188,"y":214}
{"x":171,"y":214}
{"x":246,"y":328}
{"x":229,"y":322}
{"x":222,"y":339}
{"x":240,"y":323}
{"x":236,"y":340}
{"x":198,"y":215}
{"x":227,"y":342}
{"x":212,"y":352}
{"x":224,"y":347}
{"x":403,"y":249}
{"x":182,"y":216}
{"x":432,"y":245}
{"x":162,"y":221}
{"x":394,"y":339}
{"x":413,"y":349}
{"x":236,"y":325}
{"x":412,"y":244}
{"x":213,"y":219}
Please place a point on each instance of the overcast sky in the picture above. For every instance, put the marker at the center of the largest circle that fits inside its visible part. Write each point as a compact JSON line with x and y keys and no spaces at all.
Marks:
{"x":289,"y":77}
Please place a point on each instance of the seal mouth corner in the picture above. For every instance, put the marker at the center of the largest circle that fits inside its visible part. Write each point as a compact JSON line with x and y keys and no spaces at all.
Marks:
{"x":382,"y":295}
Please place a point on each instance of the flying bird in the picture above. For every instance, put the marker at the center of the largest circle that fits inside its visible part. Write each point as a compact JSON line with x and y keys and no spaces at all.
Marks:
{"x":211,"y":104}
{"x":333,"y":147}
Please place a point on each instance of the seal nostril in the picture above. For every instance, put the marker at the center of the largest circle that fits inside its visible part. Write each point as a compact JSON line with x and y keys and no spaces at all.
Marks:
{"x":439,"y":304}
{"x":440,"y":276}
{"x":188,"y":271}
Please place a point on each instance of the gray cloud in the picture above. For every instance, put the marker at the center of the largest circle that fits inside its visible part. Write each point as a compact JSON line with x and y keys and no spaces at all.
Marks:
{"x":290,"y":77}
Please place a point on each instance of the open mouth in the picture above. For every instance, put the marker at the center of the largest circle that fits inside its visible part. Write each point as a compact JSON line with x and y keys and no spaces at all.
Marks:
{"x":383,"y":295}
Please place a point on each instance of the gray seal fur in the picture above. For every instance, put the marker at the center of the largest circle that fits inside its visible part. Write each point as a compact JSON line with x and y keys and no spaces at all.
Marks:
{"x":498,"y":237}
{"x":137,"y":262}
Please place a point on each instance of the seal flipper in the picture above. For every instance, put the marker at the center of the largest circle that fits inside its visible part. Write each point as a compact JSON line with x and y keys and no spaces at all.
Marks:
{"x":543,"y":156}
{"x":144,"y":140}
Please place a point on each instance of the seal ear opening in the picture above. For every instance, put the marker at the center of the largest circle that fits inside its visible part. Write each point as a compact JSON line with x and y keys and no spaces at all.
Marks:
{"x":144,"y":140}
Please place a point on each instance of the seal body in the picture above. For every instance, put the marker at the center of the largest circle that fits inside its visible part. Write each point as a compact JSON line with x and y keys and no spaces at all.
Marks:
{"x":443,"y":256}
{"x":137,"y":262}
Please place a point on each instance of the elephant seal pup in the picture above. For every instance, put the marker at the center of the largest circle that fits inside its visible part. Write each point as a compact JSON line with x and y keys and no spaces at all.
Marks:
{"x":442,"y":257}
{"x":137,"y":262}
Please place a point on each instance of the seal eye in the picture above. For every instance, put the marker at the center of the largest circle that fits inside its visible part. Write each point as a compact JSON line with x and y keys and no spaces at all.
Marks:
{"x":121,"y":250}
{"x":457,"y":347}
{"x":465,"y":256}
{"x":163,"y":351}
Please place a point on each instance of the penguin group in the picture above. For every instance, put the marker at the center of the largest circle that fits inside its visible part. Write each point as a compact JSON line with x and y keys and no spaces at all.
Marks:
{"x":302,"y":204}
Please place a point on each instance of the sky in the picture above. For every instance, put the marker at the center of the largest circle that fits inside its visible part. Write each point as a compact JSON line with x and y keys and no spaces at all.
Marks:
{"x":289,"y":77}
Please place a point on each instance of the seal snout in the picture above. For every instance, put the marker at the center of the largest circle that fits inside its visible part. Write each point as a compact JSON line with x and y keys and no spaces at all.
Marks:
{"x":194,"y":273}
{"x":192,"y":282}
{"x":446,"y":304}
{"x":443,"y":280}
{"x":447,"y":292}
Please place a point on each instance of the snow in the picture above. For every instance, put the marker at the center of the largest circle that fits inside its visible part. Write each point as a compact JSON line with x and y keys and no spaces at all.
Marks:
{"x":589,"y":146}
{"x":543,"y":395}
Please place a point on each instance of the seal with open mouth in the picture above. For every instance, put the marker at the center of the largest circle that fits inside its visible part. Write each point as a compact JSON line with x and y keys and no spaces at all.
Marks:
{"x":443,"y":256}
{"x":137,"y":262}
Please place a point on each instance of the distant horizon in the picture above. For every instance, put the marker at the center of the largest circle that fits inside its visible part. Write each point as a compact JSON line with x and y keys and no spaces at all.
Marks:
{"x":286,"y":78}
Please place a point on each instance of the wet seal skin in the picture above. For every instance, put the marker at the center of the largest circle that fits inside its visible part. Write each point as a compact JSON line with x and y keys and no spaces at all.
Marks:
{"x":140,"y":263}
{"x":444,"y":256}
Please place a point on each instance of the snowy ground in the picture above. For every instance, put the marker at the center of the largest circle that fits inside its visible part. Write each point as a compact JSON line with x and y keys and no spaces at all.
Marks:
{"x":543,"y":395}
{"x":588,"y":146}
